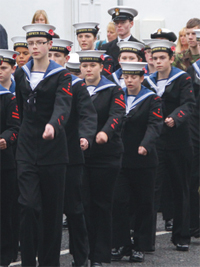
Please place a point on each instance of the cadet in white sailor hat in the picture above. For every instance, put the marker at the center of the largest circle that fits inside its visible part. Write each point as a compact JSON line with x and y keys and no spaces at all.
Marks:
{"x":20,"y":45}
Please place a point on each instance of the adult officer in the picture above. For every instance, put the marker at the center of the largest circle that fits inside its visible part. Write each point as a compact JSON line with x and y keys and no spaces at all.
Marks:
{"x":123,"y":19}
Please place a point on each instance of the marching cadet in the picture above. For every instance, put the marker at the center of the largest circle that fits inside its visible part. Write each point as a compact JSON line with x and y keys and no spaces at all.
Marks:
{"x":123,"y":18}
{"x":87,"y":35}
{"x":80,"y":131}
{"x":102,"y":161}
{"x":129,"y":52}
{"x":134,"y":190}
{"x":148,"y":57}
{"x":20,"y":45}
{"x":43,"y":90}
{"x":194,"y":72}
{"x":174,"y":146}
{"x":9,"y":127}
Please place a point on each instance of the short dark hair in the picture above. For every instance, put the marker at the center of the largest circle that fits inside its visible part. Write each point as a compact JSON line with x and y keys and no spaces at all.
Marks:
{"x":193,"y":23}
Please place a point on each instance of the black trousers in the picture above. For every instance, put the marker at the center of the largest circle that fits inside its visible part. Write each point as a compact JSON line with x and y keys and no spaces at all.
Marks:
{"x":41,"y":200}
{"x":73,"y":208}
{"x":176,"y":164}
{"x":98,"y":186}
{"x":7,"y":187}
{"x":134,"y":193}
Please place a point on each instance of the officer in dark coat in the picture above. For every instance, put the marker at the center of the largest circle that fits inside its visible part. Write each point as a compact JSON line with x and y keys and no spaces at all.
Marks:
{"x":44,"y":97}
{"x":102,"y":161}
{"x":123,"y":19}
{"x":174,"y":145}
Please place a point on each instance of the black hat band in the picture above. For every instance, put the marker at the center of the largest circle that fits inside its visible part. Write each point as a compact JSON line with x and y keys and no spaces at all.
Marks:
{"x":129,"y":49}
{"x":122,"y":16}
{"x":161,"y":49}
{"x":8,"y":60}
{"x":38,"y":34}
{"x":20,"y":44}
{"x":198,"y":39}
{"x":90,"y":30}
{"x":133,"y":72}
{"x":60,"y":49}
{"x":90,"y":59}
{"x":74,"y":70}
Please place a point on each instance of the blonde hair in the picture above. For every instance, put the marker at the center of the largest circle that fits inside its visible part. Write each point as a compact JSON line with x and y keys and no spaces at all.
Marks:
{"x":37,"y":14}
{"x":111,"y":26}
{"x":179,"y":48}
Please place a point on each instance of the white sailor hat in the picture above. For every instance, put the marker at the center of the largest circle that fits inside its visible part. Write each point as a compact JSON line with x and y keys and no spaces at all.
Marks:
{"x":164,"y":33}
{"x":82,"y":27}
{"x":61,"y":45}
{"x":129,"y":46}
{"x":133,"y":68}
{"x":91,"y":55}
{"x":197,"y":31}
{"x":162,"y":46}
{"x":19,"y":41}
{"x":147,"y":41}
{"x":73,"y":63}
{"x":8,"y":56}
{"x":122,"y":13}
{"x":39,"y":30}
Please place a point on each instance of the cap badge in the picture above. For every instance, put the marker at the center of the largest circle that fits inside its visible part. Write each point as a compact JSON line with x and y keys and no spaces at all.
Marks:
{"x":117,"y":11}
{"x":159,"y":31}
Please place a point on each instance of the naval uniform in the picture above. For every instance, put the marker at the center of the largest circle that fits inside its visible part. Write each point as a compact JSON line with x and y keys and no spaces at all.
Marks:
{"x":102,"y":165}
{"x":194,"y":72}
{"x":42,"y":163}
{"x":113,"y":50}
{"x":108,"y":65}
{"x":82,"y":123}
{"x":175,"y":147}
{"x":9,"y":127}
{"x":134,"y":189}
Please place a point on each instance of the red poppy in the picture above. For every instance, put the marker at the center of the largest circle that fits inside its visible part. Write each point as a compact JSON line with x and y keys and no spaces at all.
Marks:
{"x":69,"y":48}
{"x":145,"y":71}
{"x":51,"y":32}
{"x":102,"y":57}
{"x":14,"y":56}
{"x":173,"y":48}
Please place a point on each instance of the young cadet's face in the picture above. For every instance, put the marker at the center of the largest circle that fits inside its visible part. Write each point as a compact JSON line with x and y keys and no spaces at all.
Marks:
{"x":133,"y":82}
{"x":161,"y":61}
{"x":39,"y":47}
{"x":91,"y":71}
{"x":58,"y":57}
{"x":123,"y":28}
{"x":23,"y":56}
{"x":5,"y":72}
{"x":128,"y":57}
{"x":86,"y":41}
{"x":40,"y":19}
{"x":148,"y":56}
{"x":191,"y":37}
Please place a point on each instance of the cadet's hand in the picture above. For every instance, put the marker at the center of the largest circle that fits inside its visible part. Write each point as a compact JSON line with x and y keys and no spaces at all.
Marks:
{"x":170,"y":122}
{"x":48,"y":132}
{"x":3,"y":144}
{"x":84,"y":143}
{"x":101,"y":138}
{"x":142,"y":151}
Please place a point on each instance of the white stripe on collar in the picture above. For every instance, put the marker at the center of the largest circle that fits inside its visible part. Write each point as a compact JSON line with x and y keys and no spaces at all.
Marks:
{"x":75,"y":81}
{"x":134,"y":104}
{"x":116,"y":78}
{"x":196,"y":67}
{"x":104,"y":87}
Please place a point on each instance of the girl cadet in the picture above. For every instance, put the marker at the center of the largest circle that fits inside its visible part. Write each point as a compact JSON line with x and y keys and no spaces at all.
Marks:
{"x":128,"y":52}
{"x":80,"y":131}
{"x":86,"y":35}
{"x":44,"y":97}
{"x":21,"y":46}
{"x":9,"y":127}
{"x":135,"y":186}
{"x":174,"y":146}
{"x":103,"y":160}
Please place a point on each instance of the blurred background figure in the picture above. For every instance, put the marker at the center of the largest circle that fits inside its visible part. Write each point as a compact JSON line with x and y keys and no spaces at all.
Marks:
{"x":40,"y":16}
{"x":3,"y":38}
{"x":111,"y":35}
{"x":182,"y":43}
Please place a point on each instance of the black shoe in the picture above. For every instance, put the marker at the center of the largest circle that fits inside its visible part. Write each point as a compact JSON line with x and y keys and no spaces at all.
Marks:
{"x":96,"y":264}
{"x":65,"y":223}
{"x":118,"y":254}
{"x":195,"y":232}
{"x":180,"y":247}
{"x":137,"y":256}
{"x":84,"y":265}
{"x":169,"y":225}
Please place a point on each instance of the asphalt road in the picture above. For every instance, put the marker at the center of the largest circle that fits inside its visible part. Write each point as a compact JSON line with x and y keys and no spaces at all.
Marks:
{"x":165,"y":254}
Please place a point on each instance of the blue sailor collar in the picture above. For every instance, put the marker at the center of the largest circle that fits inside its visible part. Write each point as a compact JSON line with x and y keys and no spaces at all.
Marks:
{"x":116,"y":75}
{"x":12,"y":86}
{"x":52,"y":69}
{"x":174,"y":74}
{"x":103,"y":84}
{"x":3,"y":90}
{"x":75,"y":79}
{"x":196,"y":66}
{"x":142,"y":95}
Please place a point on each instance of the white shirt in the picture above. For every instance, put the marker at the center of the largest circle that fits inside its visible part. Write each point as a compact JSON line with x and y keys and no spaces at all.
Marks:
{"x":125,"y":39}
{"x":161,"y":87}
{"x":35,"y":78}
{"x":130,"y":100}
{"x":91,"y":89}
